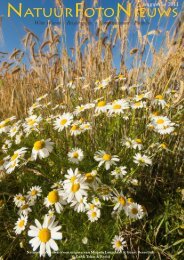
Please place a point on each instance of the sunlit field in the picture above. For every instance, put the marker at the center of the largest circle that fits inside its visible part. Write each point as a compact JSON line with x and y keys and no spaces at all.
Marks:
{"x":91,"y":158}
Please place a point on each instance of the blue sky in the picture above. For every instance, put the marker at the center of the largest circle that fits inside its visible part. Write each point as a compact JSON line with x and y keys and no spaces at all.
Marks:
{"x":13,"y":27}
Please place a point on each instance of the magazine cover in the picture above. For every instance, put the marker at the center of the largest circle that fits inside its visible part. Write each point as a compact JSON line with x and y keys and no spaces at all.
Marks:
{"x":91,"y":107}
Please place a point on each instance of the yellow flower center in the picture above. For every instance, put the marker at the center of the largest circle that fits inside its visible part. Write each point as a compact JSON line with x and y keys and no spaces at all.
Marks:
{"x":75,"y":187}
{"x":14,"y":157}
{"x":20,"y":198}
{"x":101,"y":104}
{"x":7,"y":121}
{"x":63,"y":121}
{"x":75,"y":155}
{"x":120,"y":76}
{"x":141,"y":160}
{"x":106,"y":157}
{"x":134,"y":211}
{"x":164,"y":146}
{"x":160,"y":121}
{"x":100,"y":85}
{"x":1,"y":162}
{"x":93,"y":214}
{"x":25,"y":206}
{"x":21,"y":223}
{"x":92,"y":206}
{"x":137,"y":104}
{"x":160,"y":97}
{"x":44,"y":235}
{"x":33,"y":192}
{"x":53,"y":196}
{"x":2,"y":125}
{"x":116,"y":106}
{"x":138,"y":141}
{"x":118,"y":244}
{"x":75,"y":127}
{"x":89,"y":177}
{"x":130,"y":200}
{"x":31,"y":122}
{"x":140,"y":96}
{"x":38,"y":145}
{"x":122,"y":201}
{"x":81,"y":108}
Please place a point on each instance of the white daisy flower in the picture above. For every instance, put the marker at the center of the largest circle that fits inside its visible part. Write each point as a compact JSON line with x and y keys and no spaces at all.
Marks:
{"x":14,"y":130}
{"x":76,"y":129}
{"x":32,"y":123}
{"x":44,"y":235}
{"x":11,"y":167}
{"x":55,"y":198}
{"x":142,"y":160}
{"x":137,"y":144}
{"x":25,"y":209}
{"x":135,"y":211}
{"x":134,"y":182}
{"x":101,"y":107}
{"x":20,"y":225}
{"x":96,"y":202}
{"x":165,"y":130}
{"x":92,"y":179}
{"x":5,"y":124}
{"x":105,"y":192}
{"x":15,"y":159}
{"x":142,"y":96}
{"x":118,"y":106}
{"x":18,"y":154}
{"x":119,"y":172}
{"x":94,"y":214}
{"x":79,"y":206}
{"x":6,"y":146}
{"x":105,"y":158}
{"x":19,"y":200}
{"x":76,"y":155}
{"x":128,"y":142}
{"x":120,"y":77}
{"x":120,"y":202}
{"x":139,"y":104}
{"x":89,"y":105}
{"x":103,"y":84}
{"x":75,"y":190}
{"x":72,"y":176}
{"x":85,"y":127}
{"x":63,"y":121}
{"x":160,"y":121}
{"x":18,"y":137}
{"x":118,"y":243}
{"x":42,"y":149}
{"x":33,"y":107}
{"x":34,"y":192}
{"x":159,"y":100}
{"x":79,"y":109}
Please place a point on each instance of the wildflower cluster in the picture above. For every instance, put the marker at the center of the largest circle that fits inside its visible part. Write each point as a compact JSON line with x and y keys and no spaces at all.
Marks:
{"x":89,"y":157}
